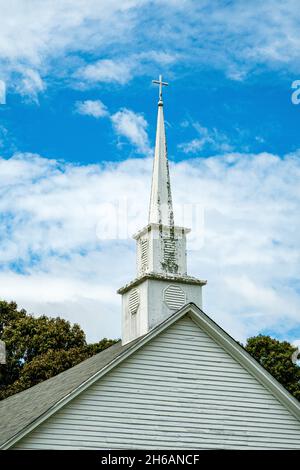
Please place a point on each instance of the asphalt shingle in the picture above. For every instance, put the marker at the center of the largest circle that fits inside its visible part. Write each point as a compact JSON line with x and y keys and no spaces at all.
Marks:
{"x":20,"y":410}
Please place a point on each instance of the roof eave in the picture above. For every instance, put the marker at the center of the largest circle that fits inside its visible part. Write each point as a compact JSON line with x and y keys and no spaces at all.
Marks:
{"x":211,"y":328}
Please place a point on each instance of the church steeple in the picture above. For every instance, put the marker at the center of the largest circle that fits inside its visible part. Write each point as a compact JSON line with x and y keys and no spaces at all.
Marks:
{"x":161,"y":209}
{"x":162,"y":285}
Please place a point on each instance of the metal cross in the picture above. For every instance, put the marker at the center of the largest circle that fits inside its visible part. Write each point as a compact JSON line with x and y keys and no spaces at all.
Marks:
{"x":160,"y":83}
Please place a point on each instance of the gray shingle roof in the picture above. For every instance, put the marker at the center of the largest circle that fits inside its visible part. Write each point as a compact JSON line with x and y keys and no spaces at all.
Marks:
{"x":20,"y":410}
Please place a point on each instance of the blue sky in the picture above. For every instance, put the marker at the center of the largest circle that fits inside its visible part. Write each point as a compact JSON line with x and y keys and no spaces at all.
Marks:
{"x":252,"y":115}
{"x":77,"y":133}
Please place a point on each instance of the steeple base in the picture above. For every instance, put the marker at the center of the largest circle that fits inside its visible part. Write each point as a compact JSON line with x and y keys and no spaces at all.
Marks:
{"x":151,"y":298}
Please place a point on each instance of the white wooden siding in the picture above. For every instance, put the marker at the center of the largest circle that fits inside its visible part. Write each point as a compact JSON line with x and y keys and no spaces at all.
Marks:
{"x":181,"y":390}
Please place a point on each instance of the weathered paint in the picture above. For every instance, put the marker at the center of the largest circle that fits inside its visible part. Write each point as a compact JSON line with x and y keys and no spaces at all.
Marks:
{"x":152,"y":308}
{"x":161,"y":209}
{"x":153,"y":239}
{"x":181,"y":390}
{"x":161,"y":251}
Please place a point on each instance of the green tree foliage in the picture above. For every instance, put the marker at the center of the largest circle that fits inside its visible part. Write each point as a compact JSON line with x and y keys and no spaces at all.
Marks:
{"x":39,"y":348}
{"x":276,"y":357}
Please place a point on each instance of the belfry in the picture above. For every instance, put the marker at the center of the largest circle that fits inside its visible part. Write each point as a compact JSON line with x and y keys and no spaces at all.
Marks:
{"x":162,"y":285}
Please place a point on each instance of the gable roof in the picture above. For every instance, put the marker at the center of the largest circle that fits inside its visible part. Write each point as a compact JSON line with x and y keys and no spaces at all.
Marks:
{"x":24,"y":411}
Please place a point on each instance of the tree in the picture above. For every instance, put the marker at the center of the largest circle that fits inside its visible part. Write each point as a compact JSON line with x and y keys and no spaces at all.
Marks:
{"x":39,"y":348}
{"x":276,"y":357}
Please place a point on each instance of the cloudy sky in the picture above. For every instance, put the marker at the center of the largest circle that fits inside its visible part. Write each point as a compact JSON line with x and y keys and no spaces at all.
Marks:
{"x":77,"y":128}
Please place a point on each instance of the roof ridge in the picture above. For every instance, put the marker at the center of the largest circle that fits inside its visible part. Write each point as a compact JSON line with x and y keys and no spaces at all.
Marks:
{"x":39,"y":402}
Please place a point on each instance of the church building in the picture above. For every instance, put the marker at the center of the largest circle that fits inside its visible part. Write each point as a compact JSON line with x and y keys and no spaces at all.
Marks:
{"x":176,"y":380}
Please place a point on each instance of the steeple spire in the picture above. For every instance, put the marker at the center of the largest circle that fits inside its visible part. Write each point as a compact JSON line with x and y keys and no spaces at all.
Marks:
{"x":161,"y":209}
{"x":162,"y":284}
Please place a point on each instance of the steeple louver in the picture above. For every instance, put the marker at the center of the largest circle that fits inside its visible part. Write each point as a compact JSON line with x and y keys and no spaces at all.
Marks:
{"x":162,"y":285}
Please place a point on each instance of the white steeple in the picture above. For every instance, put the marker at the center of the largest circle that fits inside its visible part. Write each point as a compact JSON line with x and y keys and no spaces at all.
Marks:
{"x":161,"y":209}
{"x":162,"y":285}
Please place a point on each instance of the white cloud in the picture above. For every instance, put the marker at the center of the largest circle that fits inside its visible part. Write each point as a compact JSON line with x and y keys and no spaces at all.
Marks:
{"x":106,"y":71}
{"x":132,"y":126}
{"x":93,"y":108}
{"x":53,"y":213}
{"x":124,"y":69}
{"x":2,"y":92}
{"x":193,"y":145}
{"x":30,"y":84}
{"x":239,"y":38}
{"x":37,"y":37}
{"x":126,"y":123}
{"x":212,"y":139}
{"x":43,"y":40}
{"x":3,"y":135}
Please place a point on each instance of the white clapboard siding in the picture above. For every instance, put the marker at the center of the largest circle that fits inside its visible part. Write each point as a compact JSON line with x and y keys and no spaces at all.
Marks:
{"x":181,"y":390}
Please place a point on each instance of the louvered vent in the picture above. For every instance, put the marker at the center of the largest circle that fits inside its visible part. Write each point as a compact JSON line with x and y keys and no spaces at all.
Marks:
{"x":174,"y":297}
{"x":169,"y":263}
{"x":144,"y":255}
{"x":134,"y":301}
{"x":169,"y":248}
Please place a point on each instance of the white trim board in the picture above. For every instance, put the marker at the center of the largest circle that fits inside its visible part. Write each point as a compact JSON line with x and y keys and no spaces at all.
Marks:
{"x":207,"y":325}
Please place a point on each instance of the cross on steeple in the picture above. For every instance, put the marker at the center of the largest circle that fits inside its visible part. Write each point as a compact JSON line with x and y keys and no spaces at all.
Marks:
{"x":161,"y":210}
{"x":162,"y":284}
{"x":161,"y":84}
